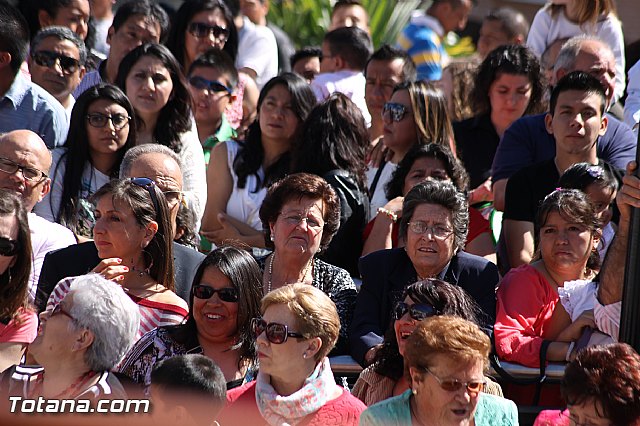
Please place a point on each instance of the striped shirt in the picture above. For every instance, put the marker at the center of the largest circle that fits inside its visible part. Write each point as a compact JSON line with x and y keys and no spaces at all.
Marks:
{"x":422,"y":39}
{"x":152,"y":314}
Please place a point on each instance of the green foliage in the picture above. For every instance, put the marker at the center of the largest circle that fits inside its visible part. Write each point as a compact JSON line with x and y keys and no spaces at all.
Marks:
{"x":306,"y":20}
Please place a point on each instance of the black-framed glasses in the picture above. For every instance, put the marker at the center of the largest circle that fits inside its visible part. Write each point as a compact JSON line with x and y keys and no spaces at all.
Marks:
{"x":148,"y":184}
{"x":47,"y":58}
{"x":276,"y":333}
{"x":454,"y":385}
{"x":60,"y":310}
{"x":99,"y":120}
{"x":417,"y":311}
{"x":227,"y":294}
{"x":9,"y":247}
{"x":438,"y":231}
{"x":396,"y":111}
{"x":200,"y":30}
{"x":29,"y":173}
{"x":213,"y":86}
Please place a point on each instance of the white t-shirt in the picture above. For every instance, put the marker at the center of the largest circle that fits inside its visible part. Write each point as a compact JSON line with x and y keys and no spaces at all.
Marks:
{"x":257,"y":50}
{"x":349,"y":83}
{"x":194,"y":175}
{"x":379,"y":198}
{"x":632,"y":103}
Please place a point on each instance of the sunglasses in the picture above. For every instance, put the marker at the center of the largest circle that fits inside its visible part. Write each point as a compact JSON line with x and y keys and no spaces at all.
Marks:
{"x":46,"y":58}
{"x":395,"y":111}
{"x":8,"y":247}
{"x":213,"y":86}
{"x":417,"y":311}
{"x":29,"y":173}
{"x":149,"y":185}
{"x":59,"y":310}
{"x":227,"y":294}
{"x":454,"y":385}
{"x":100,"y":120}
{"x":275,"y":332}
{"x":200,"y":30}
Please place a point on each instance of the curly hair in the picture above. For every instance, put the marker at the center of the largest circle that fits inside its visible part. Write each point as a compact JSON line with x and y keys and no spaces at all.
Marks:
{"x":296,"y":187}
{"x":609,"y":376}
{"x":514,"y":60}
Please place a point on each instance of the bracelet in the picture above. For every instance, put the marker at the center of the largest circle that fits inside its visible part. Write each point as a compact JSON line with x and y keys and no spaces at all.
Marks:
{"x":391,"y":215}
{"x":571,"y":346}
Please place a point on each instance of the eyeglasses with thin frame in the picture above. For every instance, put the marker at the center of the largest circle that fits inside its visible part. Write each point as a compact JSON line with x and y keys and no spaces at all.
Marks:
{"x":574,"y":421}
{"x":46,"y":58}
{"x":395,"y":110}
{"x":149,"y":185}
{"x":9,"y":247}
{"x":438,"y":231}
{"x":212,"y":86}
{"x":275,"y":332}
{"x":173,"y":197}
{"x":454,"y":385}
{"x":417,"y":311}
{"x":201,"y":30}
{"x":99,"y":120}
{"x":296,"y":219}
{"x":226,"y":294}
{"x":60,"y":310}
{"x":29,"y":173}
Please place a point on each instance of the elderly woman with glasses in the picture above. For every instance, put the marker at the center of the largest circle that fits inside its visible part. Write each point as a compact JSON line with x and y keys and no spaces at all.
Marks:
{"x":424,"y":299}
{"x":225,"y":296}
{"x":79,"y":342}
{"x":134,"y":238}
{"x":445,"y":360}
{"x":298,"y":328}
{"x":434,"y":224}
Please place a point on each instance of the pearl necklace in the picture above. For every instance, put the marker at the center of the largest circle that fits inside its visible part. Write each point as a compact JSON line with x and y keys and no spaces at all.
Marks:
{"x":304,"y":272}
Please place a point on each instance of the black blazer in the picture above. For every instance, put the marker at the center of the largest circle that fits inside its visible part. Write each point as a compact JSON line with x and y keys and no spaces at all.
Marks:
{"x":386,"y":273}
{"x":79,"y":259}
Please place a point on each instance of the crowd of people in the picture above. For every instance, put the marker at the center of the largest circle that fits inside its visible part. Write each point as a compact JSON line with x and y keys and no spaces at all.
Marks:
{"x":194,"y":212}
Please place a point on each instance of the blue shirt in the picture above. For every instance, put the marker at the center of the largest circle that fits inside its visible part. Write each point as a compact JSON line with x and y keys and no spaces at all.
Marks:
{"x":422,"y":39}
{"x":28,"y":106}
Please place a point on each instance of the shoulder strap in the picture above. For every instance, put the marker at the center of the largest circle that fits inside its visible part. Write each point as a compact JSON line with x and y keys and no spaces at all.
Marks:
{"x":376,"y":178}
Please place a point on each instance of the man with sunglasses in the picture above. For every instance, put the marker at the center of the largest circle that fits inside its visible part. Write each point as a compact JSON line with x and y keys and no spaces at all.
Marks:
{"x":57,"y":63}
{"x":24,"y":164}
{"x":24,"y":105}
{"x":160,"y":164}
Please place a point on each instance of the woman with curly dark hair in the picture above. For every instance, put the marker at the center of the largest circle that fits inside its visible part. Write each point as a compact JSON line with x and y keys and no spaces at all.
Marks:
{"x":332,"y":145}
{"x":509,"y":84}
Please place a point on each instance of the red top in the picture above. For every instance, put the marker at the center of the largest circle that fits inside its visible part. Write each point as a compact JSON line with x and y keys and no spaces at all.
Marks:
{"x":21,"y":329}
{"x":525,"y":305}
{"x":242,"y":409}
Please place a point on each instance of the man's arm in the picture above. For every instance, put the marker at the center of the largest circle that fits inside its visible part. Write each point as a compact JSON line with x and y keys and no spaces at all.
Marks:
{"x":499,"y":188}
{"x":518,"y":236}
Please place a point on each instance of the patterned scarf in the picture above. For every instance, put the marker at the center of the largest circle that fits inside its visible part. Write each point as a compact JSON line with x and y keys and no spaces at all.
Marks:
{"x":290,"y":410}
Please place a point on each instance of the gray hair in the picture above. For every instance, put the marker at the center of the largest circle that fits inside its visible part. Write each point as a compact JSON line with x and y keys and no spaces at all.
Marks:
{"x":102,"y":307}
{"x":571,"y":49}
{"x":442,"y":193}
{"x":61,"y":33}
{"x":148,"y":148}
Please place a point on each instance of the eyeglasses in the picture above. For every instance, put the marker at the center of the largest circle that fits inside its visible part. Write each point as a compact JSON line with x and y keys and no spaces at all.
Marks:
{"x":59,"y":310}
{"x":275,"y":332}
{"x":438,"y":232}
{"x":213,"y":86}
{"x":149,"y":185}
{"x":396,"y":111}
{"x":29,"y":173}
{"x":173,"y":197}
{"x":227,"y":294}
{"x":297,"y":219}
{"x":417,"y":311}
{"x":454,"y":385}
{"x":201,"y":30}
{"x":46,"y":58}
{"x":99,"y":120}
{"x":9,"y":247}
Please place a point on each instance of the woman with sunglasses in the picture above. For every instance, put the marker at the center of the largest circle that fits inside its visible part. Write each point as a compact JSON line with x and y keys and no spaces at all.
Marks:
{"x":434,"y":227}
{"x":424,"y":299}
{"x":100,"y":133}
{"x":18,"y":322}
{"x":445,"y":360}
{"x":225,"y":296}
{"x":417,"y":113}
{"x":133,"y":237}
{"x":151,"y":78}
{"x":297,"y":329}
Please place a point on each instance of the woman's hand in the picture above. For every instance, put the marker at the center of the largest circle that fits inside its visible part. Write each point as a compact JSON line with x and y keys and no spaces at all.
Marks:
{"x":227,"y":232}
{"x":395,"y":206}
{"x":482,"y":193}
{"x":575,"y":329}
{"x":111,"y":269}
{"x":377,"y":154}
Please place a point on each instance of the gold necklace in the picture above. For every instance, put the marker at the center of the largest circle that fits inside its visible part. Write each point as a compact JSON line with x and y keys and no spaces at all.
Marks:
{"x":304,"y":272}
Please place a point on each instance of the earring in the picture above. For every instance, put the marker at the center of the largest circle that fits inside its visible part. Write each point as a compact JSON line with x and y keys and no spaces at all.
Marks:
{"x":304,"y":355}
{"x":414,"y":391}
{"x":272,"y":237}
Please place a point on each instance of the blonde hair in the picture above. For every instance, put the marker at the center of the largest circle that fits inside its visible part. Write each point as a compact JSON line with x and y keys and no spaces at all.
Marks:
{"x":452,"y":336}
{"x":588,"y":11}
{"x":316,"y":314}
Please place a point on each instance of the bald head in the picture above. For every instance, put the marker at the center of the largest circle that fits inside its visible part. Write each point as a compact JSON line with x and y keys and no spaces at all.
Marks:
{"x":28,"y":151}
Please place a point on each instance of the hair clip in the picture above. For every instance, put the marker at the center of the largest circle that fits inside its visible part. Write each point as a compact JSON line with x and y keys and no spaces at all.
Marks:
{"x":559,"y":188}
{"x":596,"y":172}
